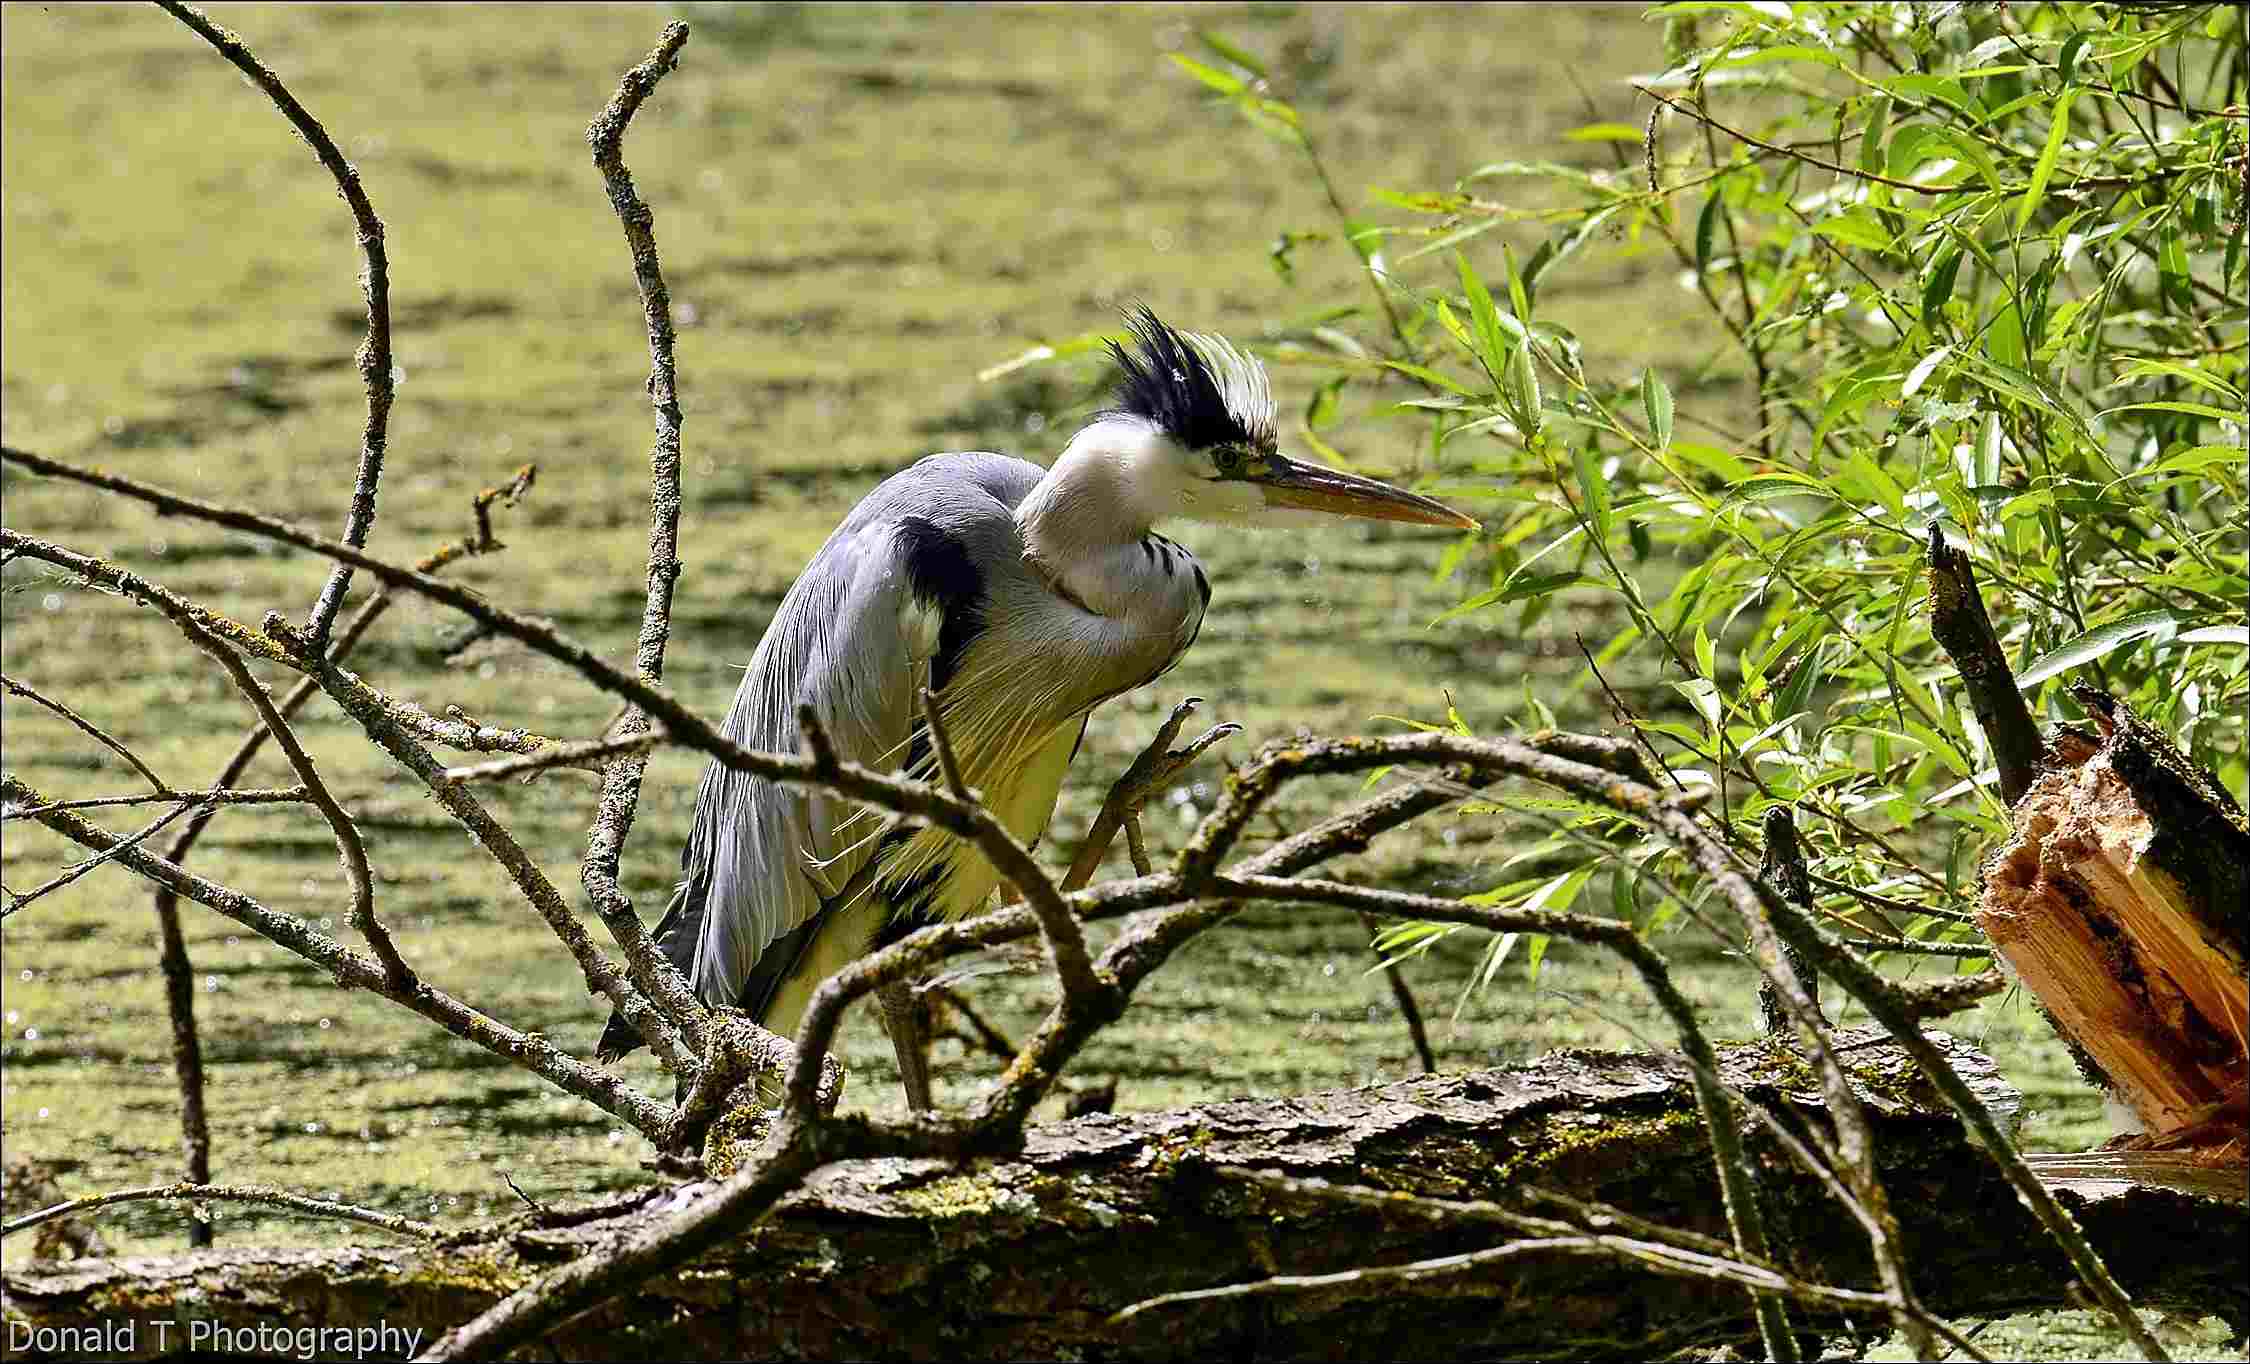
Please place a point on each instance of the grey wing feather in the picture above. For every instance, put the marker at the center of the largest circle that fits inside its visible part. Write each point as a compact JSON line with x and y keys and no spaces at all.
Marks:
{"x":852,"y":639}
{"x":768,"y":855}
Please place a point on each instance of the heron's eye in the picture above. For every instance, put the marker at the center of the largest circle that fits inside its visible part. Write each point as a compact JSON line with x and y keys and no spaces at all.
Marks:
{"x":1229,"y":458}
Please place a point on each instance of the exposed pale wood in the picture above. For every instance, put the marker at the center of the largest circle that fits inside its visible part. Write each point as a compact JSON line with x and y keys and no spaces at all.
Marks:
{"x":2122,"y":948}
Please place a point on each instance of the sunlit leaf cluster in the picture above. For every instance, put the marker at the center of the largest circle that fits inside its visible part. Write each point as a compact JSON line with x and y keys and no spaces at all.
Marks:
{"x":1982,"y":271}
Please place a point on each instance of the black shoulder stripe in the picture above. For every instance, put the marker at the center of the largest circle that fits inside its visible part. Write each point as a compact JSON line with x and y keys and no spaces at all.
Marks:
{"x":940,"y":573}
{"x":1202,"y":585}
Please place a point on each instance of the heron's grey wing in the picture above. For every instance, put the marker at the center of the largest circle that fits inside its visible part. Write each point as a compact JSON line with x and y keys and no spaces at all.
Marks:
{"x":852,"y":639}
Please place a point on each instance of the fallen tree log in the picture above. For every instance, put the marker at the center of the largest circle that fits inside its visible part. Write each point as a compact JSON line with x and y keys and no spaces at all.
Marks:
{"x":1031,"y":1256}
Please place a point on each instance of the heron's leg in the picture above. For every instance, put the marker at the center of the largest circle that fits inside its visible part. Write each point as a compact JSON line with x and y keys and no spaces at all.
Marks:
{"x":909,"y":1023}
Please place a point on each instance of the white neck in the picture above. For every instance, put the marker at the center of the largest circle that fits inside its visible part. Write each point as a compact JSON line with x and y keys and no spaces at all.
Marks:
{"x":1109,"y":487}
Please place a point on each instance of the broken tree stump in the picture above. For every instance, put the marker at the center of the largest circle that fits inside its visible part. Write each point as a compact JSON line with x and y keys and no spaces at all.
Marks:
{"x":2122,"y":904}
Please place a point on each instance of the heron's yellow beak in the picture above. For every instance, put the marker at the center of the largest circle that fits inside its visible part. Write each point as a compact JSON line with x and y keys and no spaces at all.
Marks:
{"x":1289,"y":483}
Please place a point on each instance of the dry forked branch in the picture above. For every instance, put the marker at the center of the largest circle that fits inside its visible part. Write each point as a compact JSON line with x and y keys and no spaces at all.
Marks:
{"x":392,"y":726}
{"x":83,"y":865}
{"x":654,"y":976}
{"x":1158,"y":763}
{"x":805,"y":1140}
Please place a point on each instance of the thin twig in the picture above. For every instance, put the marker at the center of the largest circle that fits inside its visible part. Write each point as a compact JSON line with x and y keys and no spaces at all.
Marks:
{"x":1961,"y":187}
{"x":593,"y":755}
{"x":1136,"y":846}
{"x":1874,"y":901}
{"x":1625,"y":716}
{"x":216,"y":796}
{"x":1967,"y":951}
{"x":84,"y":865}
{"x":226,"y":1193}
{"x":1403,"y":996}
{"x":29,"y":693}
{"x":375,"y":367}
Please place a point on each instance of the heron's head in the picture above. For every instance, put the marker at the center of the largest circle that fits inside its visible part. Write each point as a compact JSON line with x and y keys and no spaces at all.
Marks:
{"x":1194,"y":435}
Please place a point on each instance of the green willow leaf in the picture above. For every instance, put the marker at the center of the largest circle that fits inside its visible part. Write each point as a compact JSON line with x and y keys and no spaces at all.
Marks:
{"x":2040,"y":174}
{"x":2097,"y":642}
{"x":1656,"y":405}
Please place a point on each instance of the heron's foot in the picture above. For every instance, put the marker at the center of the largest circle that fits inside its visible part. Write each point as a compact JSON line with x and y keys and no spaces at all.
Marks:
{"x":1149,"y":774}
{"x":907,"y":1019}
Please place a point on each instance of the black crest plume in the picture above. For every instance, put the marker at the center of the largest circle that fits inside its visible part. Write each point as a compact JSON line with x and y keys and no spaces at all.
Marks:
{"x":1199,"y":389}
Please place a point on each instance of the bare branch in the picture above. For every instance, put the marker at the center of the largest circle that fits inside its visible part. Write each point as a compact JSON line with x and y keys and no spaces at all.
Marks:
{"x":975,"y":824}
{"x":101,"y":736}
{"x":382,"y":718}
{"x":1960,"y":624}
{"x":1853,"y":172}
{"x":1912,"y":947}
{"x":350,"y":849}
{"x":375,"y":368}
{"x":1136,"y":846}
{"x":227,"y":1193}
{"x":1403,"y":996}
{"x":1885,"y":902}
{"x":653,"y":973}
{"x":1651,"y":1255}
{"x":1665,"y":1249}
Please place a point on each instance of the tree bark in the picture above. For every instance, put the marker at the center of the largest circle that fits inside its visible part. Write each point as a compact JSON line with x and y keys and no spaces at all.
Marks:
{"x":1029,"y":1257}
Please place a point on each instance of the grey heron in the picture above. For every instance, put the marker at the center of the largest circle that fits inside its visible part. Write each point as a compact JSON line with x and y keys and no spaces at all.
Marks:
{"x":1022,"y":597}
